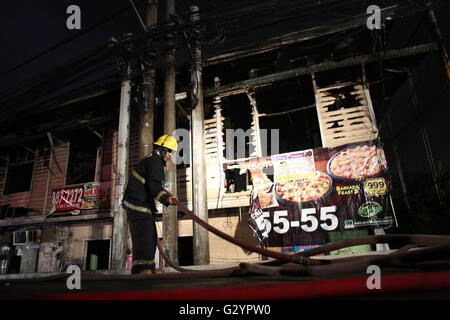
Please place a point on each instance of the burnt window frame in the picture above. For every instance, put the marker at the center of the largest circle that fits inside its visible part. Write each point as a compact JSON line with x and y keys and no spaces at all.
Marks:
{"x":98,"y":152}
{"x":19,"y":157}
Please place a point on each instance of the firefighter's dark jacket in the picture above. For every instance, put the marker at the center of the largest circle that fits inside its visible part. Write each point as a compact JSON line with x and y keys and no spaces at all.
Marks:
{"x":145,"y":184}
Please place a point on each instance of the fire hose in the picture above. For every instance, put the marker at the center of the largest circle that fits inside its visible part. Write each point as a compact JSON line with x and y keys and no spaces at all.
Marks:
{"x":302,"y":258}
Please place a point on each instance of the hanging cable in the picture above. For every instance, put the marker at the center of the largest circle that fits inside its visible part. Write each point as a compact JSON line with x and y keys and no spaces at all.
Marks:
{"x":138,"y":15}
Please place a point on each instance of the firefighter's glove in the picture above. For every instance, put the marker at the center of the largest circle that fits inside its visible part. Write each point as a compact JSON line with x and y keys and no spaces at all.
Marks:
{"x":171,"y":201}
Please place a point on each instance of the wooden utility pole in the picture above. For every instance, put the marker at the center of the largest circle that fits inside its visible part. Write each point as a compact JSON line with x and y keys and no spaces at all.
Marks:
{"x":146,"y":125}
{"x":170,"y":221}
{"x":199,"y":196}
{"x":120,"y":227}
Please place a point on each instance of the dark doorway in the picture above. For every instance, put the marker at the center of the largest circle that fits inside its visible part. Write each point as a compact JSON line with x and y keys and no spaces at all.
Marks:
{"x":97,"y":255}
{"x":185,"y":251}
{"x":15,"y":264}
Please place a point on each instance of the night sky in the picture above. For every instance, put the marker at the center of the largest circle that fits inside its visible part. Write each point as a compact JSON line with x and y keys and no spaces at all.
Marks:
{"x":29,"y":28}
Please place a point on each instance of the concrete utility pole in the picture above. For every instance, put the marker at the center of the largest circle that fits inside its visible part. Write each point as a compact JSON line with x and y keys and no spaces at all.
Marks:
{"x":120,"y":227}
{"x":146,"y":125}
{"x":199,"y":196}
{"x":170,"y":221}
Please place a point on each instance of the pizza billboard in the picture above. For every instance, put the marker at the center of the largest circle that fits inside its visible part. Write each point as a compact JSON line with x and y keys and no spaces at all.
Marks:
{"x":307,"y":193}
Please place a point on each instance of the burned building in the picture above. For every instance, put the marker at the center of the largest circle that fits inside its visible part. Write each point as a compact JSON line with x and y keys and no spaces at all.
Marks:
{"x":292,"y":76}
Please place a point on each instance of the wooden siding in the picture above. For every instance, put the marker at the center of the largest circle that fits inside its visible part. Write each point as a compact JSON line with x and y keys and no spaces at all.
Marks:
{"x":346,"y":124}
{"x":3,"y":171}
{"x":58,"y":178}
{"x":214,"y":147}
{"x":18,"y":200}
{"x":9,"y":202}
{"x":40,"y":181}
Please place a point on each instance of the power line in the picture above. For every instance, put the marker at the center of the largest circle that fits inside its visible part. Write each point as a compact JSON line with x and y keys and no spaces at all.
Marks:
{"x":228,"y":18}
{"x":58,"y":75}
{"x":76,"y":36}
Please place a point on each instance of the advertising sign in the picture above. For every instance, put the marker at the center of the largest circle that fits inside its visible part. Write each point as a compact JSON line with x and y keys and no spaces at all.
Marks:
{"x":94,"y":196}
{"x":67,"y":198}
{"x":303,"y":195}
{"x":81,"y":197}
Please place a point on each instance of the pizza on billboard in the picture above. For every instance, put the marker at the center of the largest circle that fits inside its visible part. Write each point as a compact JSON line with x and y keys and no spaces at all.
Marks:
{"x":325,"y":189}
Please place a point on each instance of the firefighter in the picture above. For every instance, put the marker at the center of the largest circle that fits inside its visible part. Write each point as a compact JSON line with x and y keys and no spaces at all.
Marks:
{"x":144,"y":186}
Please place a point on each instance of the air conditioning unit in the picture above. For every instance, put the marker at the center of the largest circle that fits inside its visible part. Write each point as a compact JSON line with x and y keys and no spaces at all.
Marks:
{"x":24,"y":237}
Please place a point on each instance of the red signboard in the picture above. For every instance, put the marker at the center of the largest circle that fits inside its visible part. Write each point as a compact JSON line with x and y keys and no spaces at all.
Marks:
{"x":67,"y":198}
{"x":94,"y":195}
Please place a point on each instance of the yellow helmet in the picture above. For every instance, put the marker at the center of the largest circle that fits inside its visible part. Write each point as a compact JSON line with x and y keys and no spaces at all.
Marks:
{"x":167,"y":141}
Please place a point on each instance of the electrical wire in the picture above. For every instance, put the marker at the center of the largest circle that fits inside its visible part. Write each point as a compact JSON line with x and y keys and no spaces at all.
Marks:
{"x":244,"y":10}
{"x":63,"y":43}
{"x":229,"y":20}
{"x":54,"y":78}
{"x":69,"y":68}
{"x":265,"y":45}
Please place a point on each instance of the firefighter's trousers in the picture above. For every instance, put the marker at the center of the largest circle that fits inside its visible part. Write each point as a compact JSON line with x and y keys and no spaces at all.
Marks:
{"x":144,"y":237}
